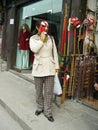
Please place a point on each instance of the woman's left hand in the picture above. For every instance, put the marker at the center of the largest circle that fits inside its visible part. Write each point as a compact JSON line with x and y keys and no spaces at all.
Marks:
{"x":96,"y":86}
{"x":57,"y":71}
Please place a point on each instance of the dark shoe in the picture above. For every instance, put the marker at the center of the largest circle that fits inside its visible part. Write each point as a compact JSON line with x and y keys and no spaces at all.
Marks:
{"x":38,"y":112}
{"x":50,"y":118}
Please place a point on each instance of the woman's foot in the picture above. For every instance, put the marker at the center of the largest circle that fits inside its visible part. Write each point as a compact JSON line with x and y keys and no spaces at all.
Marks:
{"x":50,"y":118}
{"x":38,"y":112}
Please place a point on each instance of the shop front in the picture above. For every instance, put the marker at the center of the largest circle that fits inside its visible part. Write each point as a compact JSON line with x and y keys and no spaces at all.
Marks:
{"x":80,"y":60}
{"x":30,"y":15}
{"x":73,"y":25}
{"x":77,"y":56}
{"x":89,"y":94}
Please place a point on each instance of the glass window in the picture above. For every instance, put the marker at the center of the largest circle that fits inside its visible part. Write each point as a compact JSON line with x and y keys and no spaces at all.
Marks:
{"x":52,"y":6}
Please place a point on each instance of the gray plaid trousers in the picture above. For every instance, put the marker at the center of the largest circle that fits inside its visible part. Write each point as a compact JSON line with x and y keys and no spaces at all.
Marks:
{"x":44,"y":93}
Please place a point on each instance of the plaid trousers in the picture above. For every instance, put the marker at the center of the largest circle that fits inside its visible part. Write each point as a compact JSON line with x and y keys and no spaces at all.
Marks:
{"x":44,"y":93}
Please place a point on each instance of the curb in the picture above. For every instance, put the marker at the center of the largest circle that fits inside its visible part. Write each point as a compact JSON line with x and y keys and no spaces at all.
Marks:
{"x":15,"y":116}
{"x":22,"y":76}
{"x":10,"y":111}
{"x":88,"y":105}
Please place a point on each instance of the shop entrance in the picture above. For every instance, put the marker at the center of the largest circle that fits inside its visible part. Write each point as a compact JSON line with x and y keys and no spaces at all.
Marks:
{"x":54,"y":27}
{"x":52,"y":14}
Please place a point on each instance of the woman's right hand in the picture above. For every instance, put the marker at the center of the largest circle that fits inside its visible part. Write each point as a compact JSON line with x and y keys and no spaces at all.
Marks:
{"x":43,"y":35}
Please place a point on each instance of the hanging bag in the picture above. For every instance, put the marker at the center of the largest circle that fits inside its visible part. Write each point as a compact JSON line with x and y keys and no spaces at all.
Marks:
{"x":57,"y":86}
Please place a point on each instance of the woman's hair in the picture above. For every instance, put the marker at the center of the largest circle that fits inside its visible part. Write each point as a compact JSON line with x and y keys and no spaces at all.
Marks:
{"x":26,"y":27}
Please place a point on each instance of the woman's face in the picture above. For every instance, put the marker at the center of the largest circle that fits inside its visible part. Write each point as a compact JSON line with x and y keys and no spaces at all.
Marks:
{"x":43,"y":27}
{"x":23,"y":27}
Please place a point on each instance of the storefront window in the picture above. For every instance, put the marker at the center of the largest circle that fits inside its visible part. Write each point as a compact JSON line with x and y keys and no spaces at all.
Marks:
{"x":29,"y":16}
{"x":37,"y":8}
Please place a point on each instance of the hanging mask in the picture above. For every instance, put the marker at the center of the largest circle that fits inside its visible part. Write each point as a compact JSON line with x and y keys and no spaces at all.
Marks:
{"x":74,"y":19}
{"x":77,"y":24}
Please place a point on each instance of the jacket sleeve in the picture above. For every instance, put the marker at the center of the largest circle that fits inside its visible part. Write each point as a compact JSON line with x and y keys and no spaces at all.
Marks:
{"x":35,"y":44}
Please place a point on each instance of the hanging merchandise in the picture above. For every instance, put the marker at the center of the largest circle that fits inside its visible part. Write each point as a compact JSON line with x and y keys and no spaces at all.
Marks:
{"x":65,"y":84}
{"x":76,"y":24}
{"x":63,"y":40}
{"x":68,"y":56}
{"x":82,"y":70}
{"x":80,"y":39}
{"x":89,"y":45}
{"x":62,"y":50}
{"x":68,"y":45}
{"x":80,"y":75}
{"x":72,"y":77}
{"x":84,"y":36}
{"x":86,"y":72}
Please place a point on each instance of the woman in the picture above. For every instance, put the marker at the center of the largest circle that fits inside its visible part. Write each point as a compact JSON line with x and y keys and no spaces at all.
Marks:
{"x":45,"y":66}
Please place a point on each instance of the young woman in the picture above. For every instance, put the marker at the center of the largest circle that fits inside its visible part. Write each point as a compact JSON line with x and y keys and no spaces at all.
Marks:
{"x":45,"y":66}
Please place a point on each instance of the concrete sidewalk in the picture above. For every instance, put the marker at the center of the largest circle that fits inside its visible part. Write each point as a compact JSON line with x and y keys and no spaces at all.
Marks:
{"x":3,"y":64}
{"x":17,"y":96}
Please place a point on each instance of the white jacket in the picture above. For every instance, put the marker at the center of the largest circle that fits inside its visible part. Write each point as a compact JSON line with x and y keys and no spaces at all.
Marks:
{"x":45,"y":56}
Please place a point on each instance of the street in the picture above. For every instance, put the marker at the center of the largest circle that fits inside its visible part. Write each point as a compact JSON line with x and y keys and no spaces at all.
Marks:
{"x":18,"y":97}
{"x":7,"y":122}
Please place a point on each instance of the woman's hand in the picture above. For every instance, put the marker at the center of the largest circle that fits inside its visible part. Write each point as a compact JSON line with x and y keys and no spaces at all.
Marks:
{"x":57,"y":70}
{"x":96,"y":86}
{"x":43,"y":35}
